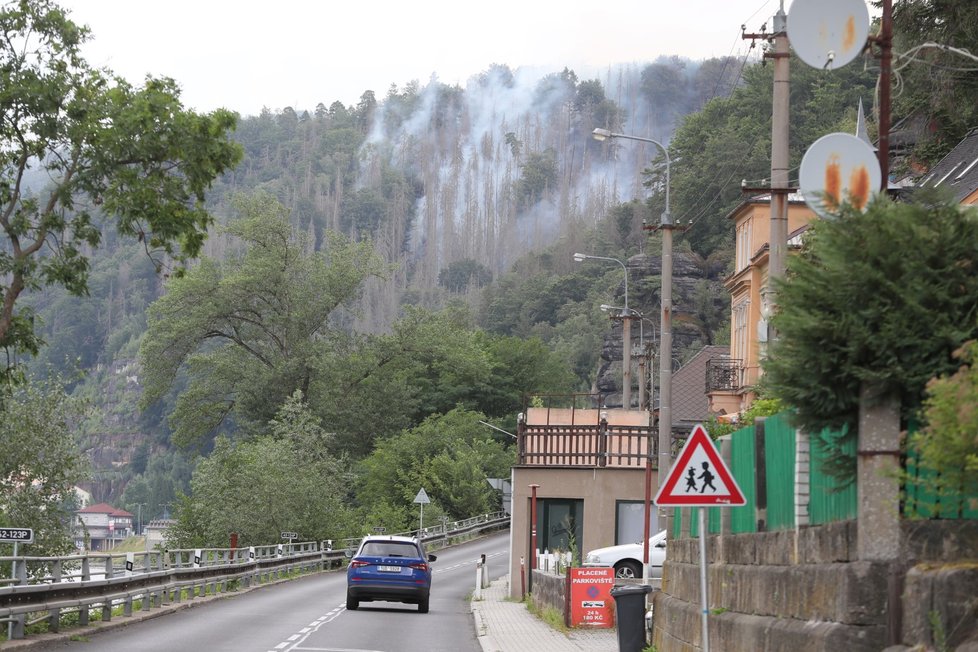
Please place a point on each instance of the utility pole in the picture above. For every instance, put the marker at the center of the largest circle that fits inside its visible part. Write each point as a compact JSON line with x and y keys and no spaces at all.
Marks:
{"x":885,"y":42}
{"x":779,"y":149}
{"x":778,"y":239}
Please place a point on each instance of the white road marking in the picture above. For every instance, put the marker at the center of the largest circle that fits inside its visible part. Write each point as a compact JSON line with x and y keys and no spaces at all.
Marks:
{"x":332,"y":615}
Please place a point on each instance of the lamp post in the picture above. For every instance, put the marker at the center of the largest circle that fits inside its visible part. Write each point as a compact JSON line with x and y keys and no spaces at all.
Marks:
{"x":139,"y":518}
{"x":626,"y":331}
{"x":665,"y":330}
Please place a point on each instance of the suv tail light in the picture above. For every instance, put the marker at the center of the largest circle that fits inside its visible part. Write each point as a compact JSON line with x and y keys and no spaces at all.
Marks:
{"x":358,"y":563}
{"x":421,"y":566}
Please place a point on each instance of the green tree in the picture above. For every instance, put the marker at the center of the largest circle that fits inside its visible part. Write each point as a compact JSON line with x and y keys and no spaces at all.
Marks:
{"x":538,"y":176}
{"x":427,"y":364}
{"x":938,"y":85}
{"x":282,"y":479}
{"x":880,"y":299}
{"x":450,"y":455}
{"x":460,"y":275}
{"x":40,"y":464}
{"x":249,"y":329}
{"x":521,"y":367}
{"x":74,"y":139}
{"x":949,"y":442}
{"x":729,"y":140}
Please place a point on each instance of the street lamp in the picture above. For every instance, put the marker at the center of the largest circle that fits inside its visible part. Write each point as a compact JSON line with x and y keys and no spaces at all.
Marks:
{"x":626,"y":330}
{"x":665,"y":330}
{"x":139,"y":518}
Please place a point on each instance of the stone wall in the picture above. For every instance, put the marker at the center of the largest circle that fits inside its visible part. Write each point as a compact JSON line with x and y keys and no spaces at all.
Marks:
{"x":549,"y":590}
{"x":805,"y":590}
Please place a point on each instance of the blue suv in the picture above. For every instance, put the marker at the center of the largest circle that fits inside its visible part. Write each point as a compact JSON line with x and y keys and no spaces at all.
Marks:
{"x":390,"y":568}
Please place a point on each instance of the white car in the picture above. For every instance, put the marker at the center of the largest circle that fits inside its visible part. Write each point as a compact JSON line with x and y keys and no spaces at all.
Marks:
{"x":627,"y":557}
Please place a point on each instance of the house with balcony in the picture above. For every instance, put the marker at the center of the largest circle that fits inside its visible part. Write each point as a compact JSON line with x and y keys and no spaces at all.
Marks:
{"x":731,"y":379}
{"x":586,"y":465}
{"x":101,"y":526}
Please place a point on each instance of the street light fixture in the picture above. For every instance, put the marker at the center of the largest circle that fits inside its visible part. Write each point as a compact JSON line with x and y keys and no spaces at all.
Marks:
{"x":665,"y":334}
{"x":626,"y":384}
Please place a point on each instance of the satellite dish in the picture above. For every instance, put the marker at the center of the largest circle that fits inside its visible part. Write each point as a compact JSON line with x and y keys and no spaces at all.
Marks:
{"x":836,"y":168}
{"x":828,"y":34}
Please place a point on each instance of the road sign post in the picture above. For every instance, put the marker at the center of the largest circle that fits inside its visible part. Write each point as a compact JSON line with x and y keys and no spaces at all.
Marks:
{"x":16,"y":536}
{"x":421,"y":499}
{"x":700,"y":478}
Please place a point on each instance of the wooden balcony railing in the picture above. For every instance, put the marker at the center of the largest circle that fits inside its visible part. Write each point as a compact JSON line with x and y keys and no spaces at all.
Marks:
{"x":601,"y":445}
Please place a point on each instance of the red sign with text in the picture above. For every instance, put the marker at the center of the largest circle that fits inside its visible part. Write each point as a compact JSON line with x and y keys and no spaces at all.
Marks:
{"x":590,"y":597}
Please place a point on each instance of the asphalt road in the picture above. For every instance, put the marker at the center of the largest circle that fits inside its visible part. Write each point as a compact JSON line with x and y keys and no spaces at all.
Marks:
{"x":309,"y":614}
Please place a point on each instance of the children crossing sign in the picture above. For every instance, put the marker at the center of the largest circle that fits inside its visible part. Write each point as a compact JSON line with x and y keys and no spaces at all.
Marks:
{"x":699,"y":478}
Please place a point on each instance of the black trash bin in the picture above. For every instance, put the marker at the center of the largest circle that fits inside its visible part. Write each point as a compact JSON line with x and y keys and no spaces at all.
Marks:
{"x":630,"y":614}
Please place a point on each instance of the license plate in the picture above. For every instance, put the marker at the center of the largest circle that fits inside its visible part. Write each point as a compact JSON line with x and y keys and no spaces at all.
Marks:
{"x":389,"y":569}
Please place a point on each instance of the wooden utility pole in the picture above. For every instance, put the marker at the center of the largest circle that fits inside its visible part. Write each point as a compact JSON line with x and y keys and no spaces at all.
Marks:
{"x":885,"y":42}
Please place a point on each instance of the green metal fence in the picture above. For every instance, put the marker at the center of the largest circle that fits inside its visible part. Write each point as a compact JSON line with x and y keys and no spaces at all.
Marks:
{"x":928,"y":495}
{"x":742,"y":468}
{"x":925,"y":493}
{"x":779,"y":453}
{"x":829,"y":500}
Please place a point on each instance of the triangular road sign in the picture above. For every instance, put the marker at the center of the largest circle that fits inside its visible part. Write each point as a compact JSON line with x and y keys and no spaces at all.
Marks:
{"x":699,"y":478}
{"x":422,"y":497}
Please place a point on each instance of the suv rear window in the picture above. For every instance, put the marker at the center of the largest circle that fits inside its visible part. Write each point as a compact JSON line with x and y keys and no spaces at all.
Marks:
{"x":389,"y":549}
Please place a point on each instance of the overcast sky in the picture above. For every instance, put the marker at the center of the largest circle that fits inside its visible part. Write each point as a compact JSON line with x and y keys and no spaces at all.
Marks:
{"x":249,"y":55}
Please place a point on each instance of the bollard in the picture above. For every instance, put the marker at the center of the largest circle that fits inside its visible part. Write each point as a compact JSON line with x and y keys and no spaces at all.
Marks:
{"x":485,"y":573}
{"x":478,"y":580}
{"x":522,"y":579}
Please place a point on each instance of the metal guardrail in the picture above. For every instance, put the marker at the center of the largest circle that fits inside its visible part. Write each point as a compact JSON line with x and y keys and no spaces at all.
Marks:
{"x":84,"y":582}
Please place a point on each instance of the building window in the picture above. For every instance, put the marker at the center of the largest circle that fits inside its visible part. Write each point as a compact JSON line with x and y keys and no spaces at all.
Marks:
{"x":739,"y":335}
{"x":561,"y":524}
{"x":744,"y":234}
{"x":630,"y":521}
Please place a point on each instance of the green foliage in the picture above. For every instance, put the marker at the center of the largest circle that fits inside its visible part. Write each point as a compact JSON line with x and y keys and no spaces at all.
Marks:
{"x":519,"y":367}
{"x":427,"y":364}
{"x":95,"y":141}
{"x":881,"y":300}
{"x":762,"y":407}
{"x":538,"y":177}
{"x":949,"y":441}
{"x":460,"y":275}
{"x":166,"y":477}
{"x":248,"y":329}
{"x":938,"y":87}
{"x":39,"y":464}
{"x":730,"y":140}
{"x":450,"y":455}
{"x":283,"y":479}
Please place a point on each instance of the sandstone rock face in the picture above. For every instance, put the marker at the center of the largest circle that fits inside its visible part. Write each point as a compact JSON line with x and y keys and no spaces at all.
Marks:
{"x":701,"y":308}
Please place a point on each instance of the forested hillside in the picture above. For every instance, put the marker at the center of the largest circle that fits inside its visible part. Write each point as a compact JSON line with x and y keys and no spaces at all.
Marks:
{"x":473,"y":196}
{"x":452,"y":187}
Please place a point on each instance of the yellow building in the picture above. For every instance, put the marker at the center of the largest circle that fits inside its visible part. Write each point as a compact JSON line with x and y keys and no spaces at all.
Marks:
{"x":731,"y":380}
